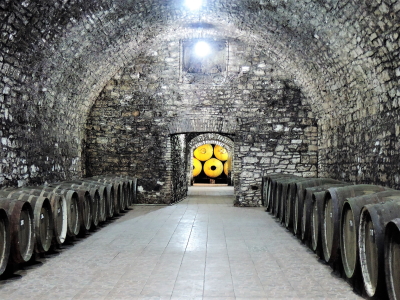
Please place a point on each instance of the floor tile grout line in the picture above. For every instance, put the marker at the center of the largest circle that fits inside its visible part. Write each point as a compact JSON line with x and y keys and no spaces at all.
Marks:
{"x":205,"y":259}
{"x":177,"y":225}
{"x":191,"y":230}
{"x":160,"y":227}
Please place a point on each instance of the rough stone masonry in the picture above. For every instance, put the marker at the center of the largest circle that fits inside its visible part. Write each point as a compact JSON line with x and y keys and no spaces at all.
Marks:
{"x":306,"y":87}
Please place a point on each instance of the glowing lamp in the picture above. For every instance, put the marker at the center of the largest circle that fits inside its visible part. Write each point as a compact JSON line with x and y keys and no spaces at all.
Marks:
{"x":193,"y":4}
{"x":202,"y":49}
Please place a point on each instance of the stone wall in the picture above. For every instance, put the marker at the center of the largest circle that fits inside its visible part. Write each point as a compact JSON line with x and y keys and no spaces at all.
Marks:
{"x":129,"y":127}
{"x":57,"y":56}
{"x":179,"y":167}
{"x":350,"y":152}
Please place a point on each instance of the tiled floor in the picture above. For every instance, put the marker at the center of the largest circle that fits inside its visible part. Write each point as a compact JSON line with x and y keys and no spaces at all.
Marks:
{"x":200,"y":248}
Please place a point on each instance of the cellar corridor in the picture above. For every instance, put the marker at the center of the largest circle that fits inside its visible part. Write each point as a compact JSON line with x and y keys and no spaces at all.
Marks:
{"x":199,"y":248}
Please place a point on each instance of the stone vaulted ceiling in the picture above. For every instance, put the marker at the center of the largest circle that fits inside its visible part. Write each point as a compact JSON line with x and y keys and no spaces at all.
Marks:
{"x":57,"y":56}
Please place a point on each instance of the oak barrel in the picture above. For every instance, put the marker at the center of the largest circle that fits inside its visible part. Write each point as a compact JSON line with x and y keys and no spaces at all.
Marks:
{"x":42,"y":217}
{"x":316,"y":219}
{"x":84,"y":205}
{"x":373,"y":220}
{"x":118,"y":192}
{"x":289,"y":203}
{"x":5,"y":239}
{"x":299,"y":198}
{"x":95,"y":206}
{"x":280,"y":196}
{"x":333,"y":202}
{"x":59,"y":209}
{"x":306,"y":223}
{"x":349,"y":222}
{"x":270,"y":190}
{"x":22,"y":229}
{"x":392,"y":258}
{"x":110,"y":199}
{"x":72,"y":201}
{"x":99,"y":198}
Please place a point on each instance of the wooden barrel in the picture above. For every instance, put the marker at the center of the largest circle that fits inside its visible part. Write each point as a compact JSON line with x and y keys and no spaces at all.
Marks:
{"x":73,"y":207}
{"x":59,"y":209}
{"x":125,"y":187}
{"x":85,"y":205}
{"x":306,"y":227}
{"x":289,"y":203}
{"x":275,"y":192}
{"x":280,"y":196}
{"x":118,"y":192}
{"x":333,"y":202}
{"x":373,"y":219}
{"x":299,"y":198}
{"x":270,"y":189}
{"x":349,"y":222}
{"x":22,"y":229}
{"x":133,"y":188}
{"x":316,"y":220}
{"x":126,"y":184}
{"x":42,"y":217}
{"x":264,"y":190}
{"x":98,"y":192}
{"x":5,"y":239}
{"x":392,"y":258}
{"x":97,"y":195}
{"x":110,"y":199}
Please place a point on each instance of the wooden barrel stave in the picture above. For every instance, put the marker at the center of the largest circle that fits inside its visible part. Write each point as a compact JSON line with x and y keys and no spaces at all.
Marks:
{"x":291,"y":195}
{"x":392,"y":258}
{"x":373,"y":219}
{"x":123,"y":189}
{"x":94,"y":199}
{"x":22,"y":230}
{"x":299,"y":198}
{"x":72,"y":204}
{"x":85,"y":205}
{"x":271,"y":180}
{"x":100,"y":203}
{"x":281,"y":196}
{"x":333,"y":202}
{"x":109,"y":206}
{"x":117,"y":192}
{"x":349,"y":227}
{"x":308,"y":207}
{"x":5,"y":239}
{"x":42,"y":217}
{"x":59,"y":208}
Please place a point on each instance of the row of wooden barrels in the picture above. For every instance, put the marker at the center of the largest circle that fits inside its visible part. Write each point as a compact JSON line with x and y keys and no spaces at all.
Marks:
{"x":36,"y":219}
{"x":354,"y":228}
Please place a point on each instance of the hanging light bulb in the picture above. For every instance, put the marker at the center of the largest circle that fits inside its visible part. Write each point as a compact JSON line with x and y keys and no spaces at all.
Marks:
{"x":202,"y":49}
{"x":193,"y":4}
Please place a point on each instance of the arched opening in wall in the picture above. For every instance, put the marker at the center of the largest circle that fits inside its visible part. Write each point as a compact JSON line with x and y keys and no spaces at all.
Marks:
{"x":211,"y":156}
{"x":212,"y":164}
{"x":182,"y":150}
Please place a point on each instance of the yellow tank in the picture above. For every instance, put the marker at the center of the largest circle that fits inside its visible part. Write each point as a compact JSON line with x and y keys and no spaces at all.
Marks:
{"x":203,"y":152}
{"x":213,"y":167}
{"x":220,"y":153}
{"x":227,"y":166}
{"x":197,"y":167}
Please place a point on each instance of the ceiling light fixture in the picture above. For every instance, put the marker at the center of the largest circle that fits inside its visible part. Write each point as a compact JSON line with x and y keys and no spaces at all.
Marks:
{"x":202,"y":49}
{"x":193,"y":4}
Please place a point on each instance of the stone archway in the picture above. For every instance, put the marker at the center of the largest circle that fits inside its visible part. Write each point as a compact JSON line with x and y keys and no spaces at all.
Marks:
{"x":210,"y":138}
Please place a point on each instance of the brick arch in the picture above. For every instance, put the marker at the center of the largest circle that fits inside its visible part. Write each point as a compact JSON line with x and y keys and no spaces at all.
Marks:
{"x":211,"y":138}
{"x":215,"y":123}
